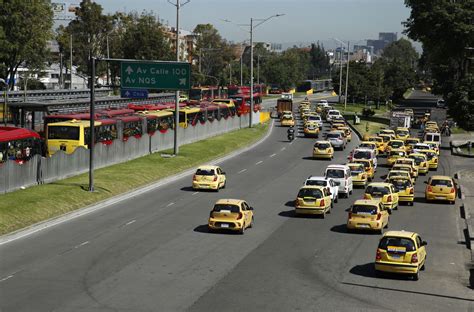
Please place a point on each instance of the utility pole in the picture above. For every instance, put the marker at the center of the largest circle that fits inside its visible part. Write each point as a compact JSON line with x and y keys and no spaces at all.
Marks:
{"x":340,"y":77}
{"x":108,"y":67}
{"x":178,"y":5}
{"x":347,"y":77}
{"x":258,"y":69}
{"x":70,"y":60}
{"x":251,"y":73}
{"x":92,"y":126}
{"x":241,"y":66}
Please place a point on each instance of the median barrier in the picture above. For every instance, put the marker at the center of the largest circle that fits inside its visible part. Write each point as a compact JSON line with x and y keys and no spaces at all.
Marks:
{"x":38,"y":170}
{"x":467,"y":207}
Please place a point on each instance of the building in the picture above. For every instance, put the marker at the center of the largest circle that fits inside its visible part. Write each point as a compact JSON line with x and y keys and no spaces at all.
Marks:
{"x":388,"y":37}
{"x":187,"y":42}
{"x":380,"y":44}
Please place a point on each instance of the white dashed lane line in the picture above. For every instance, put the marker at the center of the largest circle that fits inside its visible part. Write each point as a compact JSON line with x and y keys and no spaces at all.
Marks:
{"x":195,"y":193}
{"x":81,"y":244}
{"x":259,"y":162}
{"x":6,"y":278}
{"x":170,"y":204}
{"x":283,"y":148}
{"x":130,"y":222}
{"x":242,"y":171}
{"x":272,"y":155}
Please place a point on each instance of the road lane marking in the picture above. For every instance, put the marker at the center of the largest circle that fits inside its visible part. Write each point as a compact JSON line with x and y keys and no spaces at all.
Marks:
{"x":81,"y":244}
{"x":195,"y":193}
{"x":242,"y":171}
{"x":6,"y":278}
{"x":292,"y":142}
{"x":259,"y":162}
{"x":272,"y":155}
{"x":170,"y":204}
{"x":283,"y":148}
{"x":130,"y":222}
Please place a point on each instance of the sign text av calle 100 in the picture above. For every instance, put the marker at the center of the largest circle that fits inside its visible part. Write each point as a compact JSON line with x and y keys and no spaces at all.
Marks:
{"x":151,"y":75}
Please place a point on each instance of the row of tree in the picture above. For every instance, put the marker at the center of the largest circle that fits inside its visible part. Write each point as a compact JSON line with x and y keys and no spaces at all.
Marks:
{"x":446,"y":30}
{"x":387,"y":78}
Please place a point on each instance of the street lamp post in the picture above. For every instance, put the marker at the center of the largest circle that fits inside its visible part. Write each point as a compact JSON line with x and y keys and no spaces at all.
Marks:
{"x":178,"y":5}
{"x":4,"y":85}
{"x":347,"y":77}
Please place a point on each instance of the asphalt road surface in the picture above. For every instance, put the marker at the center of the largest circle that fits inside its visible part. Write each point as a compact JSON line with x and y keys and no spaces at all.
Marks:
{"x":154,"y":253}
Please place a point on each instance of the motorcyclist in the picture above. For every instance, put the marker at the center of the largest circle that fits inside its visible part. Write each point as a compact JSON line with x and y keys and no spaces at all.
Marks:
{"x":291,"y":133}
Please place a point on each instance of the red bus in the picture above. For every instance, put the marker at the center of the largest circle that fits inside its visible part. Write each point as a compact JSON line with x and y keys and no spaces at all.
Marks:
{"x":19,"y":144}
{"x":206,"y":93}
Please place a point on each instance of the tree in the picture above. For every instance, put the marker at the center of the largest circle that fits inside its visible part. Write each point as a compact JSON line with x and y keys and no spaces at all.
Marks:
{"x":319,"y":61}
{"x":25,"y":28}
{"x":446,"y":29}
{"x":89,"y":31}
{"x":286,"y":69}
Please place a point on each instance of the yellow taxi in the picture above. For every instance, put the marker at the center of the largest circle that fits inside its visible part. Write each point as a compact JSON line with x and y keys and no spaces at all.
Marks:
{"x":379,"y":143}
{"x":311,"y":129}
{"x":408,"y":161}
{"x":432,"y":124}
{"x":395,"y":144}
{"x":209,"y":178}
{"x":347,"y":132}
{"x":405,"y":188}
{"x":230,"y":214}
{"x":394,"y":154}
{"x":401,"y":252}
{"x":323,"y":149}
{"x":359,"y":176}
{"x":370,"y":145}
{"x":390,"y":132}
{"x":314,"y":200}
{"x":441,"y":188}
{"x":385,"y":192}
{"x":433,"y":146}
{"x":403,"y":167}
{"x":287,"y":120}
{"x":337,"y":125}
{"x":432,"y":158}
{"x":402,"y":133}
{"x":368,"y":166}
{"x":367,"y":215}
{"x":386,"y":138}
{"x":421,"y":162}
{"x":398,"y":173}
{"x":409,"y":143}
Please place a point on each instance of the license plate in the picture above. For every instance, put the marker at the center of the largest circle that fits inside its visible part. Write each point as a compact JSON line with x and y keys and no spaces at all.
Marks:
{"x":395,"y":256}
{"x":224,"y":225}
{"x":440,"y":197}
{"x":310,"y":202}
{"x":364,"y":226}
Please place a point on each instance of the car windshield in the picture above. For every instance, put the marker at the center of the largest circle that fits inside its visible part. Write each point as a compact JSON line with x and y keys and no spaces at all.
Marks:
{"x":336,"y":113}
{"x":316,"y":118}
{"x":333,"y":135}
{"x":307,"y":192}
{"x":356,"y":169}
{"x":418,"y":159}
{"x":335,"y":173}
{"x":397,"y":153}
{"x":401,"y":168}
{"x":406,"y":243}
{"x":364,"y":209}
{"x":316,"y":182}
{"x":399,"y":173}
{"x":366,"y":164}
{"x":402,"y":132}
{"x":287,"y":117}
{"x":205,"y":172}
{"x":400,"y":184}
{"x":395,"y":144}
{"x":439,"y":182}
{"x":226,"y":208}
{"x":63,"y":133}
{"x":362,"y":155}
{"x":322,"y":145}
{"x":377,"y":190}
{"x":408,"y":141}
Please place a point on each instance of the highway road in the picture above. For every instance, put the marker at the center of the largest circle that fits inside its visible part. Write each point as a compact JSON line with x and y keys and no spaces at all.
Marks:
{"x":153,"y":252}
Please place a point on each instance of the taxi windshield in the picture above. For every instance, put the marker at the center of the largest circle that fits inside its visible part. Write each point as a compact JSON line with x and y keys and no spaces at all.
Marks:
{"x":205,"y":172}
{"x":333,"y":135}
{"x":395,"y":144}
{"x":377,"y":190}
{"x":322,"y":145}
{"x":400,"y":184}
{"x":397,"y":242}
{"x":418,"y":159}
{"x":226,"y":208}
{"x":403,"y":132}
{"x":356,"y":169}
{"x":397,"y":153}
{"x":362,"y":155}
{"x":439,"y":182}
{"x":316,"y":182}
{"x":316,"y":193}
{"x":364,"y":209}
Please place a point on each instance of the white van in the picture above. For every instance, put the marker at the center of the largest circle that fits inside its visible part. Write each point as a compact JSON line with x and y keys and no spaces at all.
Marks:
{"x":432,"y":137}
{"x":341,"y":174}
{"x":364,"y":153}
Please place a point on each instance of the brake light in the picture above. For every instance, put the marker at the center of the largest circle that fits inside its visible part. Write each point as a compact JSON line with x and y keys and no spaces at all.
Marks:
{"x":321,"y":203}
{"x":215,"y":178}
{"x":240,"y":216}
{"x":389,"y":198}
{"x":350,"y":215}
{"x":378,"y":256}
{"x":414,"y":258}
{"x":453,"y":190}
{"x":412,"y":191}
{"x":194,"y":178}
{"x":430,"y":189}
{"x":379,"y":215}
{"x":366,"y":196}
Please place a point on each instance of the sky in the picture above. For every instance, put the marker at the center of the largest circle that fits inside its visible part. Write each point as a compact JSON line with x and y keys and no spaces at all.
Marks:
{"x":304,"y":20}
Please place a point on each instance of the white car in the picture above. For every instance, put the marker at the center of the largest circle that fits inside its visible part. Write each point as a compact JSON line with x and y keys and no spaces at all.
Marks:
{"x":325,"y":182}
{"x":332,"y":113}
{"x":317,"y":119}
{"x":420,"y":146}
{"x":364,"y":153}
{"x":323,"y":103}
{"x":341,"y":174}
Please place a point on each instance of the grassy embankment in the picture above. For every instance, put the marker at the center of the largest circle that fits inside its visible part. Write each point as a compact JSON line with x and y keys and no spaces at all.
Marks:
{"x":22,"y":208}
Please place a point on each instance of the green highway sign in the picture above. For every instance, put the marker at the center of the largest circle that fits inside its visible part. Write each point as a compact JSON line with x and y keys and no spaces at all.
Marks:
{"x":151,"y":75}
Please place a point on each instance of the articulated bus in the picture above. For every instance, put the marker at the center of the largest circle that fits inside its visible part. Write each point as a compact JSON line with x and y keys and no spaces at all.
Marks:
{"x":228,"y":104}
{"x":158,"y":121}
{"x":19,"y":144}
{"x":206,"y":93}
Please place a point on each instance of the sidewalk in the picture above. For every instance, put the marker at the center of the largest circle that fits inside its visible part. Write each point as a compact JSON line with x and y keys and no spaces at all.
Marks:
{"x":466,"y":181}
{"x":461,"y":138}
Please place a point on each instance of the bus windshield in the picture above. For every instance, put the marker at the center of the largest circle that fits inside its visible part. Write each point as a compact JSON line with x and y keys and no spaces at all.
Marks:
{"x":63,"y":133}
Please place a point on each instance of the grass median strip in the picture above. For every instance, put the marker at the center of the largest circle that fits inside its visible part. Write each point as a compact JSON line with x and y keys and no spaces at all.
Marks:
{"x":369,"y":127}
{"x":25,"y":207}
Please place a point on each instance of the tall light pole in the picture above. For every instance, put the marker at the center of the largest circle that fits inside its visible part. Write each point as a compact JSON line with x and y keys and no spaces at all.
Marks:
{"x":347,"y":76}
{"x":252,"y":27}
{"x":340,"y":70}
{"x":4,"y":85}
{"x":178,"y":5}
{"x":70,"y":60}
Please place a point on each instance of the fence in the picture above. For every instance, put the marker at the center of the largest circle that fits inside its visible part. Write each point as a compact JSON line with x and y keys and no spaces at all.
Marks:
{"x":39,"y":169}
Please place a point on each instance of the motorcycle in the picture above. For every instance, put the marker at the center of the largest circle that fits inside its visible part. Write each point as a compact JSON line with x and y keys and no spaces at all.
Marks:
{"x":291,"y":135}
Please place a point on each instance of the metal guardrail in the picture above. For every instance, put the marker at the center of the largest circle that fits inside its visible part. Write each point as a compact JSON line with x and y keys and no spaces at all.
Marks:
{"x":35,"y":95}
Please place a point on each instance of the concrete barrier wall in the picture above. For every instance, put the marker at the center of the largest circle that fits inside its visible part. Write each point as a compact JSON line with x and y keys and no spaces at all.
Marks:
{"x":37,"y":170}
